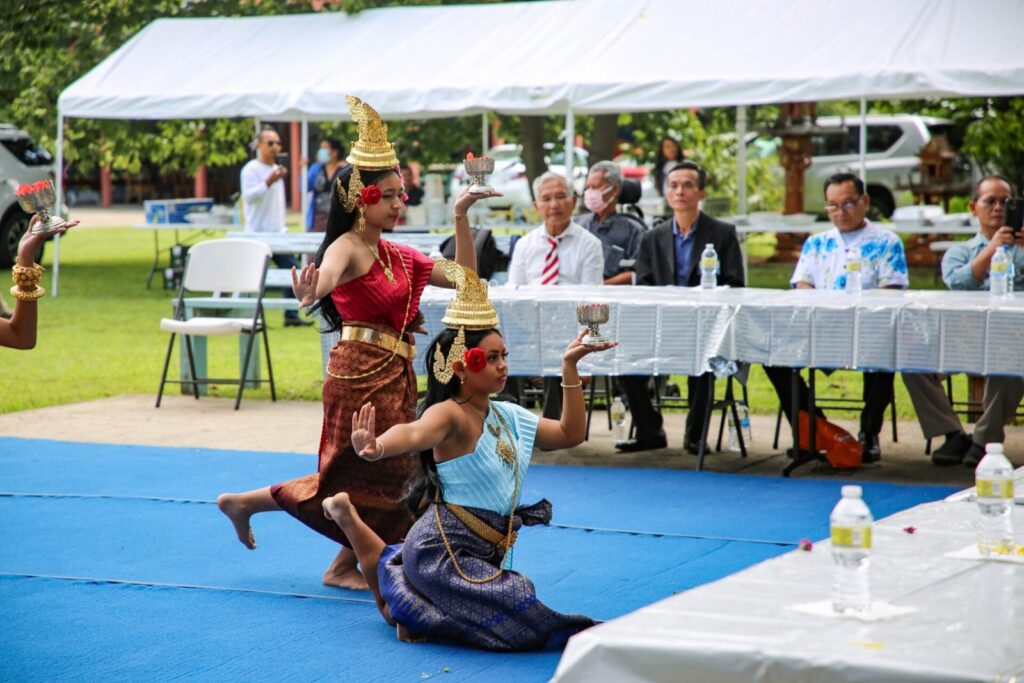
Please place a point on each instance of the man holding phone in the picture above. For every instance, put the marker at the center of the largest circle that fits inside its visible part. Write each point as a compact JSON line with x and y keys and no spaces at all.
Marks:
{"x":966,"y":267}
{"x":263,"y":202}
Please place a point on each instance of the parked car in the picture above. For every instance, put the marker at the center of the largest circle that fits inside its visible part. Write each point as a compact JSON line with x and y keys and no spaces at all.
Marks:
{"x":509,"y":177}
{"x":894,"y":140}
{"x":22,"y":160}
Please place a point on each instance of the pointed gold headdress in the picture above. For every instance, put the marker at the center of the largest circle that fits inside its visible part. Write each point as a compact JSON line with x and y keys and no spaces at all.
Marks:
{"x":371,"y":151}
{"x":469,"y":310}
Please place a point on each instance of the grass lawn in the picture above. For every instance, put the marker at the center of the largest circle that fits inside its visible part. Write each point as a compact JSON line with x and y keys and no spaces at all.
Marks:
{"x":101,"y":336}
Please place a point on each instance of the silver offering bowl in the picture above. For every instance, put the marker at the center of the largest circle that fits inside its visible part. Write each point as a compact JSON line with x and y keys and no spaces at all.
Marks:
{"x":592,"y":315}
{"x":479,"y":169}
{"x":40,"y":198}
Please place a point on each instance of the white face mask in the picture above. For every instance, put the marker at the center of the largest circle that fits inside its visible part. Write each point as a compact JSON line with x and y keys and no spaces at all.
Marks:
{"x":322,"y":155}
{"x":594,"y":199}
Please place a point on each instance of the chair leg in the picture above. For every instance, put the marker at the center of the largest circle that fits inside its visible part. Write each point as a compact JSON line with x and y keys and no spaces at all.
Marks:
{"x":739,"y":428}
{"x":706,"y":426}
{"x":778,"y":428}
{"x":590,"y":406}
{"x":270,"y":368}
{"x":927,"y":446}
{"x":895,"y":436}
{"x":245,"y":367}
{"x":609,"y":395}
{"x":191,"y":364}
{"x":163,"y":377}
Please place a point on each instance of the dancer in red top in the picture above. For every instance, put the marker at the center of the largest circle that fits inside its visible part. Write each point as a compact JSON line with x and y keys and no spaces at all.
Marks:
{"x":369,"y":289}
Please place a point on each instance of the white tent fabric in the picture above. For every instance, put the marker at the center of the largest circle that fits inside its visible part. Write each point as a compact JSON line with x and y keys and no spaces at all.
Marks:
{"x":585,"y":56}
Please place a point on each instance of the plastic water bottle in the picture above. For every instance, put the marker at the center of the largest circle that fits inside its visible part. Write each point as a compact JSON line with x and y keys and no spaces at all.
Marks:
{"x":999,"y":273}
{"x":994,"y":480}
{"x":709,"y":267}
{"x":744,"y":413}
{"x":851,"y":548}
{"x":734,"y":442}
{"x":853,"y":270}
{"x":618,"y":419}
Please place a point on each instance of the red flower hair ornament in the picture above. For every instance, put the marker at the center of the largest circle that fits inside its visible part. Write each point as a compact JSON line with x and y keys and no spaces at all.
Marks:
{"x":370,"y":195}
{"x":475,"y":359}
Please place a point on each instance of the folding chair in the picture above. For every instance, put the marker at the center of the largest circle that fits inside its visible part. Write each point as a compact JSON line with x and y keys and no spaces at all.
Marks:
{"x":223,"y":267}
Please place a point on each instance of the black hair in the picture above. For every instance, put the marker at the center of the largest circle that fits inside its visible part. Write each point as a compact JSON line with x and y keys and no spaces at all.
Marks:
{"x":335,"y":144}
{"x":340,"y":221}
{"x":702,"y":175}
{"x":424,"y":485}
{"x":659,"y":161}
{"x":840,"y":178}
{"x":994,"y":176}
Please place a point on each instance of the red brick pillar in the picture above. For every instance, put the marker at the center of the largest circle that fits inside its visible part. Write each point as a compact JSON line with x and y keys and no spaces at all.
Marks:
{"x":199,"y":182}
{"x":106,"y":187}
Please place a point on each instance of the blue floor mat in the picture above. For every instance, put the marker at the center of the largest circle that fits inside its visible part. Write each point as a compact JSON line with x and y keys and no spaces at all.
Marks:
{"x":116,"y":565}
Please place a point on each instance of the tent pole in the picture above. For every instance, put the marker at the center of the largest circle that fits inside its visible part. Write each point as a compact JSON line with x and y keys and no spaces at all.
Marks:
{"x":59,"y":186}
{"x":570,"y":145}
{"x":863,"y":140}
{"x":486,"y":139}
{"x":304,"y":179}
{"x":741,"y":160}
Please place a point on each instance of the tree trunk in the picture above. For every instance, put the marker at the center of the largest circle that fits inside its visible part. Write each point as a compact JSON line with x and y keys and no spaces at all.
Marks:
{"x":606,"y":132}
{"x":531,"y":135}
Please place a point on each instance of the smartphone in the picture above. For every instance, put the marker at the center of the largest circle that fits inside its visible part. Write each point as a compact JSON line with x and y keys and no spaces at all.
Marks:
{"x":282,"y":159}
{"x":1015,"y":214}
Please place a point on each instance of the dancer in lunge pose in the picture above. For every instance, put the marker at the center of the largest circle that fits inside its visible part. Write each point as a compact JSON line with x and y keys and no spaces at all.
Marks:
{"x":451,"y":579}
{"x":370,"y":289}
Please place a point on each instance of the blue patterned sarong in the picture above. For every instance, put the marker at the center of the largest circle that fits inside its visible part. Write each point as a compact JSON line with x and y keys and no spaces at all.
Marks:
{"x":426,"y":595}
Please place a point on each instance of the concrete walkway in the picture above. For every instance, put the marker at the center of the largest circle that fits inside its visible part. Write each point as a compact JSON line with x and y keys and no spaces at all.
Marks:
{"x":294,"y":426}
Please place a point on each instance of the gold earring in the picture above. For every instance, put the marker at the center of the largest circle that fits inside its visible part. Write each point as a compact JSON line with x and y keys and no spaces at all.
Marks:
{"x":362,"y":223}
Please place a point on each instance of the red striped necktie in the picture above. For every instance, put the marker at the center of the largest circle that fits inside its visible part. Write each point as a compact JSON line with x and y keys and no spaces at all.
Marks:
{"x":549,"y":276}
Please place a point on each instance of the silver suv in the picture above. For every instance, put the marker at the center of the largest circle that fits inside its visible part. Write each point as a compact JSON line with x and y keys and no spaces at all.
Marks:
{"x":22,"y":160}
{"x":894,"y":140}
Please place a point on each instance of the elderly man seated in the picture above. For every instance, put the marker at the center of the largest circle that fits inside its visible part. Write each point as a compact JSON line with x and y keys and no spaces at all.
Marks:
{"x":559,"y":252}
{"x":822,"y":265}
{"x":620,"y":233}
{"x":966,"y":267}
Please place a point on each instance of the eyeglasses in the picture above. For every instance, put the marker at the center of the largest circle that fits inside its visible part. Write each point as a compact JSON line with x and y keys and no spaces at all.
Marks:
{"x":554,"y":199}
{"x":989,"y":202}
{"x":845,"y":207}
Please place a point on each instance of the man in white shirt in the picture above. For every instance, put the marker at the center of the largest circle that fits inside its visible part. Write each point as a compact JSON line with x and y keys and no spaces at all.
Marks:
{"x":559,"y":252}
{"x":822,"y":265}
{"x":263,"y":202}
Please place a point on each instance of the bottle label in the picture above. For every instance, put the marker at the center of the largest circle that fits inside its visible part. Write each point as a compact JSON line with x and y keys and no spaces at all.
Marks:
{"x":995,"y":488}
{"x":851,"y":536}
{"x":853,"y":266}
{"x":709,"y":262}
{"x":1000,"y":268}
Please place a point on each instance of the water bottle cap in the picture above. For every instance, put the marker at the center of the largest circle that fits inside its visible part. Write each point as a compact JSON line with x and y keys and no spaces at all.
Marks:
{"x":993,"y":448}
{"x":851,"y":491}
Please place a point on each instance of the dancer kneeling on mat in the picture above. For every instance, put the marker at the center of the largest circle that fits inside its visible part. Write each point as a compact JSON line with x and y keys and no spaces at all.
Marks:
{"x":451,"y":578}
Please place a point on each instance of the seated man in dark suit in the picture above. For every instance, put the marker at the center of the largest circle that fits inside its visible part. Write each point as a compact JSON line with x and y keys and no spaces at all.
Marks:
{"x":669,"y":255}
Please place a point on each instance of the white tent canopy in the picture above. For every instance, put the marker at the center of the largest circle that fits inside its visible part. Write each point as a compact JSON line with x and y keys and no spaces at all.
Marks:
{"x":590,"y":56}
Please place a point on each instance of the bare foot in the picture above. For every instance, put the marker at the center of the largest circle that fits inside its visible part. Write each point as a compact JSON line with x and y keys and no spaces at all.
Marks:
{"x":407,"y":636}
{"x":239,"y":514}
{"x":342,"y":573}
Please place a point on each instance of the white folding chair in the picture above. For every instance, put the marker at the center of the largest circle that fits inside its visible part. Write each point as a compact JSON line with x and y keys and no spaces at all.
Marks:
{"x":225,"y":267}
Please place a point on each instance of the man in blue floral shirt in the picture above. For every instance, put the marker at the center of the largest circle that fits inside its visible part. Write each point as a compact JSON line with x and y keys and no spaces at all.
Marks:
{"x":822,"y":265}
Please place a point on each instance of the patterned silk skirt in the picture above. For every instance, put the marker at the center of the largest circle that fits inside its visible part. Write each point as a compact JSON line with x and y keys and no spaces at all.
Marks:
{"x":426,"y":594}
{"x":375,"y":488}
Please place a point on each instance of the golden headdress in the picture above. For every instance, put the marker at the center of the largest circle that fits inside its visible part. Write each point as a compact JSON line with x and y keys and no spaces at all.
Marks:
{"x":469,"y":310}
{"x":371,"y":151}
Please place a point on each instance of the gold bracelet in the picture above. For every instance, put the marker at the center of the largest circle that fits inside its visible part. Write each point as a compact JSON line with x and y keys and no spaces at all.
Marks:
{"x":573,"y":386}
{"x":26,"y":277}
{"x":27,"y":294}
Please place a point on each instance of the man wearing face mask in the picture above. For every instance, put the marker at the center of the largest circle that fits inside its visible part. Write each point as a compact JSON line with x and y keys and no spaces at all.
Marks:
{"x":619,"y":233}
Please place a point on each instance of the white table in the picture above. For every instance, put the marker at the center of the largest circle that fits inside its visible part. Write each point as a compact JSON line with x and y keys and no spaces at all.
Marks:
{"x":916,"y":227}
{"x":309,"y":242}
{"x":967,"y":626}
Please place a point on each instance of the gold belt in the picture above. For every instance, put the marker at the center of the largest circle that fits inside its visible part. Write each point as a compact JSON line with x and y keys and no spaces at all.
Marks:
{"x":482,"y":528}
{"x":377,"y":338}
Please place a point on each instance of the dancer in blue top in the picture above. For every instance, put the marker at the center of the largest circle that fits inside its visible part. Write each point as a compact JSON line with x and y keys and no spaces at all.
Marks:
{"x":451,"y":579}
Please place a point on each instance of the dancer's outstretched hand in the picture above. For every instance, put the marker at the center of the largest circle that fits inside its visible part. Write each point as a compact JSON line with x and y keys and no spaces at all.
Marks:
{"x":304,"y":284}
{"x":577,"y":349}
{"x":364,"y":436}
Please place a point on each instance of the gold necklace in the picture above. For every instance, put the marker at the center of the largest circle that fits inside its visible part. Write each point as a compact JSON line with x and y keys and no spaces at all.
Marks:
{"x":506,"y":451}
{"x":376,"y":254}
